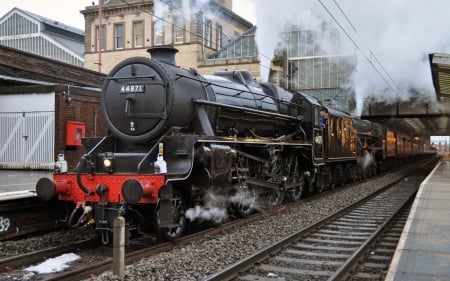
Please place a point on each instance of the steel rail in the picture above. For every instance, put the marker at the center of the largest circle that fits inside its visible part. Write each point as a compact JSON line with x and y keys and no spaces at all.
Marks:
{"x":258,"y":257}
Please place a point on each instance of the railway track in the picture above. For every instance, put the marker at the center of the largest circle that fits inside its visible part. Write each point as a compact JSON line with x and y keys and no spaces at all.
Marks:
{"x":352,"y":243}
{"x":90,"y":248}
{"x":8,"y":264}
{"x":82,"y":271}
{"x":375,"y":263}
{"x":23,"y":217}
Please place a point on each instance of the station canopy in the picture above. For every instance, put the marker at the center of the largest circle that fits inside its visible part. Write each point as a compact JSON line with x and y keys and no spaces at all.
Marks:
{"x":440,"y":71}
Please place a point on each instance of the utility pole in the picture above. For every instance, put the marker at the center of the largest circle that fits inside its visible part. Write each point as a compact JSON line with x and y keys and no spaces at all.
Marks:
{"x":100,"y":8}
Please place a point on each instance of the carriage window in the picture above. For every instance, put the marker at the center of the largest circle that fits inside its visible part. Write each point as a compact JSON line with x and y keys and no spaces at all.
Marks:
{"x":323,"y":117}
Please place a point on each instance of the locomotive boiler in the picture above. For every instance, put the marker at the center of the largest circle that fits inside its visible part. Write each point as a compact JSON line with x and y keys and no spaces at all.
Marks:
{"x":178,"y":139}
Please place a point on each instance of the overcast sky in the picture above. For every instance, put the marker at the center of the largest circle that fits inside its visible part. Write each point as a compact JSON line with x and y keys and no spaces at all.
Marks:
{"x":68,"y":11}
{"x":391,"y":39}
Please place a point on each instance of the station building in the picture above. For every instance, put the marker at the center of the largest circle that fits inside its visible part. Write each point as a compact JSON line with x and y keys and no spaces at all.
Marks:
{"x":318,"y":63}
{"x":211,"y":38}
{"x":129,"y":28}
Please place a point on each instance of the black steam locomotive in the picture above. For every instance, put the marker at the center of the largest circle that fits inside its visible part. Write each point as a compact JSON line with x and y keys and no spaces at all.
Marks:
{"x":181,"y":141}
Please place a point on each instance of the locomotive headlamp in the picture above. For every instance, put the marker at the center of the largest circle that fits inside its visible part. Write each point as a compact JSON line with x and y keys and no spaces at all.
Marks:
{"x":108,"y":162}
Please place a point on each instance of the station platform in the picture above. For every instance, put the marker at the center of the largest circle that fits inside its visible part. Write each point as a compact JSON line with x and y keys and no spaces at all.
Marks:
{"x":423,"y":252}
{"x":17,"y":184}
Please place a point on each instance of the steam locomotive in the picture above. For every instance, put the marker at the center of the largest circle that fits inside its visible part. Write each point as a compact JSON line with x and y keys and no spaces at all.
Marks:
{"x":179,"y":139}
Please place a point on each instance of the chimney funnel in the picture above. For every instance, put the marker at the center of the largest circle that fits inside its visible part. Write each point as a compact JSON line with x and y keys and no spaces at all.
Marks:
{"x":164,"y":53}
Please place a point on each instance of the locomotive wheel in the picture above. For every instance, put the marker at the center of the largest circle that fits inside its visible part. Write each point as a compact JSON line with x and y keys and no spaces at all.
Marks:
{"x":337,"y":175}
{"x":324,"y":180}
{"x":295,"y":176}
{"x":172,"y":233}
{"x":244,"y":208}
{"x":243,"y":201}
{"x":296,"y":193}
{"x":274,"y":198}
{"x":352,"y":174}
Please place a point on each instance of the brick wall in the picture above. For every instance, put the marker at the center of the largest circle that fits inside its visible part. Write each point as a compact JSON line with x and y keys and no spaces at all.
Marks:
{"x":84,"y":106}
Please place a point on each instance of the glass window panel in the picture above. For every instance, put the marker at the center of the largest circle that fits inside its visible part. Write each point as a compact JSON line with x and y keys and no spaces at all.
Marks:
{"x":208,"y":33}
{"x":158,"y":32}
{"x":119,"y":36}
{"x":219,"y":36}
{"x":138,"y":34}
{"x":102,"y":42}
{"x":178,"y":29}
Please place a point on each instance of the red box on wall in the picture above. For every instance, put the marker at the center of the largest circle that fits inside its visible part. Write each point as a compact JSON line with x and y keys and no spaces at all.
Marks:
{"x":75,"y":131}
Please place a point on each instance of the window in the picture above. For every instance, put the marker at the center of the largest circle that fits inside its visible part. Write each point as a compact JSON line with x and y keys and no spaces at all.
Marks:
{"x":207,"y":36}
{"x":102,"y":42}
{"x":219,"y":34}
{"x":158,"y":32}
{"x":118,"y":36}
{"x":178,"y":29}
{"x":138,"y":34}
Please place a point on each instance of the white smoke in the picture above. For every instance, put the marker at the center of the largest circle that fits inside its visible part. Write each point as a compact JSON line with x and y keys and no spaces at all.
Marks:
{"x":401,"y":34}
{"x":367,"y":159}
{"x":215,"y":214}
{"x":188,"y":8}
{"x":398,"y":33}
{"x":216,"y":206}
{"x":244,"y":199}
{"x":214,"y":209}
{"x":271,"y":18}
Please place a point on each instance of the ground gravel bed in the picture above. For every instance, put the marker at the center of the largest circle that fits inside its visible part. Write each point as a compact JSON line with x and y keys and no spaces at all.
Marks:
{"x":58,"y":238}
{"x":212,"y":253}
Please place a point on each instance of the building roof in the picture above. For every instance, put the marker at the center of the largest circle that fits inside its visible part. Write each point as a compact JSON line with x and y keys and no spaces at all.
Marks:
{"x":440,"y":71}
{"x":59,"y":25}
{"x":66,"y":38}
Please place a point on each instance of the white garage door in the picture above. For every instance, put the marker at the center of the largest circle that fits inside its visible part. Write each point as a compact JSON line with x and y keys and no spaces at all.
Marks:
{"x":27,"y":131}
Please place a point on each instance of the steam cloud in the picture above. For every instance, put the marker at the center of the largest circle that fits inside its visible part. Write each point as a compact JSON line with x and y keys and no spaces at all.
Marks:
{"x":188,"y":9}
{"x":217,"y":206}
{"x":214,"y":210}
{"x":400,"y":33}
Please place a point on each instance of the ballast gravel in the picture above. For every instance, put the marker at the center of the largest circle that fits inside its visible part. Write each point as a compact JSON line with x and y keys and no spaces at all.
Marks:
{"x":210,"y":254}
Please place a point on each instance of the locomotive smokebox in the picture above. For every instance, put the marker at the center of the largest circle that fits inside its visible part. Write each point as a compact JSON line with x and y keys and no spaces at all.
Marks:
{"x":163,"y":53}
{"x":142,"y":98}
